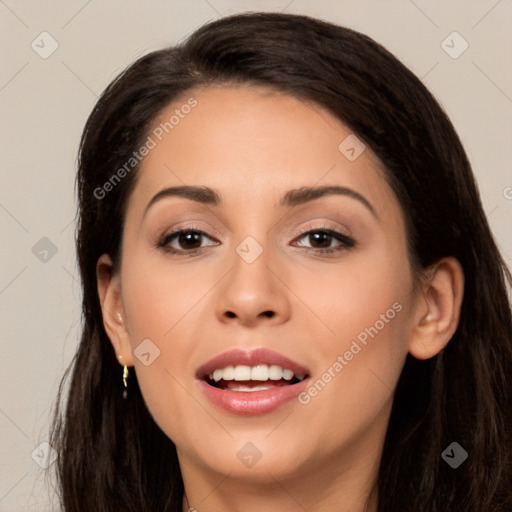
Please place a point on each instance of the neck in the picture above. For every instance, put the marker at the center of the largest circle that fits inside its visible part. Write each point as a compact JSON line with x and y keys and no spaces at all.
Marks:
{"x":319,"y":489}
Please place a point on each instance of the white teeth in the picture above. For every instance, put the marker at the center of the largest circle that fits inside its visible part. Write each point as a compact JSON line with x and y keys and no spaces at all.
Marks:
{"x":242,"y":373}
{"x":275,"y":372}
{"x":247,"y":389}
{"x":228,"y":373}
{"x":261,"y":372}
{"x":287,"y":375}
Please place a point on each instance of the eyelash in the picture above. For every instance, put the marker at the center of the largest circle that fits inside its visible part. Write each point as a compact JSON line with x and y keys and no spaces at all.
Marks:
{"x":345,"y":241}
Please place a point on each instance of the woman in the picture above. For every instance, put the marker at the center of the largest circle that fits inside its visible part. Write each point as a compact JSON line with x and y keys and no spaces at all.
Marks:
{"x":292,"y":297}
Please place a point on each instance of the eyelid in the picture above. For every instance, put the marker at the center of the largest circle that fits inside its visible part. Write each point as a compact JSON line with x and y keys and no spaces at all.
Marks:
{"x":186,"y":227}
{"x":191,"y":226}
{"x":342,"y":235}
{"x":324,"y":225}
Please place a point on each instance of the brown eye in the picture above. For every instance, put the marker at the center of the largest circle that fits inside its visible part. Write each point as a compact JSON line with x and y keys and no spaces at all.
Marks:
{"x":184,"y":241}
{"x":189,"y":239}
{"x":321,"y":240}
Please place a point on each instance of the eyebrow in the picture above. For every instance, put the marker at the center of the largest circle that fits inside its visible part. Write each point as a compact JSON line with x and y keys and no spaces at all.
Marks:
{"x":294,"y":197}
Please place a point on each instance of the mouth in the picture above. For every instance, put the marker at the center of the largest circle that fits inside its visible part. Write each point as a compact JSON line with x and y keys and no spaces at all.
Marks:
{"x":251,"y":382}
{"x":248,"y":379}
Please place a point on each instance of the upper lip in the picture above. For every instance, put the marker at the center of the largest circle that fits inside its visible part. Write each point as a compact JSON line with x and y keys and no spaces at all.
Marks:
{"x":252,"y":357}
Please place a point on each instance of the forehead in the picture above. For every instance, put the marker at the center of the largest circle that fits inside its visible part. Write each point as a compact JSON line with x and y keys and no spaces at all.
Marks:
{"x":253,"y":142}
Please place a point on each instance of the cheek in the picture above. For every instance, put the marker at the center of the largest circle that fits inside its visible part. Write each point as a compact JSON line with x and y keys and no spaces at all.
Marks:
{"x":364,"y":297}
{"x":358,"y":364}
{"x":158,"y":296}
{"x":353,"y":391}
{"x":165,"y":309}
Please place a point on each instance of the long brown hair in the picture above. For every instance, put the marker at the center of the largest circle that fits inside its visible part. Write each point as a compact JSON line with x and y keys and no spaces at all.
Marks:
{"x":111,"y":454}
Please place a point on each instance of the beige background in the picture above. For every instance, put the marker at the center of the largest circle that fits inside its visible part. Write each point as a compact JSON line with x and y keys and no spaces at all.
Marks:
{"x":44,"y":104}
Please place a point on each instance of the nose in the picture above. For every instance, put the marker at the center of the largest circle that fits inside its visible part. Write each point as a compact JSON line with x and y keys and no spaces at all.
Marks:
{"x":254,"y":293}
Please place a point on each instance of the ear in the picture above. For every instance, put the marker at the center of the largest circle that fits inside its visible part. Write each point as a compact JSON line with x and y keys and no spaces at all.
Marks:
{"x":438,"y":310}
{"x":109,"y":291}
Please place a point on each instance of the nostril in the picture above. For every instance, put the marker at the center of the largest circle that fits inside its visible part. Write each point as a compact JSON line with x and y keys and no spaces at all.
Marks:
{"x":269,"y":314}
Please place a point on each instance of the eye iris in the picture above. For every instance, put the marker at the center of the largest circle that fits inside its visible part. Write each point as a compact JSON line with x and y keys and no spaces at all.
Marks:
{"x":320,"y":237}
{"x":193,"y":237}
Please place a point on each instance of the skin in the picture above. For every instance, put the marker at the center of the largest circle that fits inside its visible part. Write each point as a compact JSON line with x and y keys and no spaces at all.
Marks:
{"x":252,"y":145}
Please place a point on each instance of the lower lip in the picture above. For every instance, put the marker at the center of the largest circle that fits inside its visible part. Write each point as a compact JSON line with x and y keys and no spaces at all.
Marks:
{"x":252,"y":403}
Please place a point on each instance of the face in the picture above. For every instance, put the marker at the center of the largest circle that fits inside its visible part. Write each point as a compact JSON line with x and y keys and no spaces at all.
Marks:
{"x":321,"y":282}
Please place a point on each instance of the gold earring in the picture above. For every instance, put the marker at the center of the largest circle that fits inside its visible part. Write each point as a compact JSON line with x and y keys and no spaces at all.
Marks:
{"x":125,"y":381}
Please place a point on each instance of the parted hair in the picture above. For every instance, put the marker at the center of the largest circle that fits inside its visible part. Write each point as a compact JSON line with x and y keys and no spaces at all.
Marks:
{"x":111,"y":454}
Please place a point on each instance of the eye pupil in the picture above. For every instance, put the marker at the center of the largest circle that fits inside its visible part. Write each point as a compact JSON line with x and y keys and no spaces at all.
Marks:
{"x":190,"y":241}
{"x":186,"y":237}
{"x":320,"y":237}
